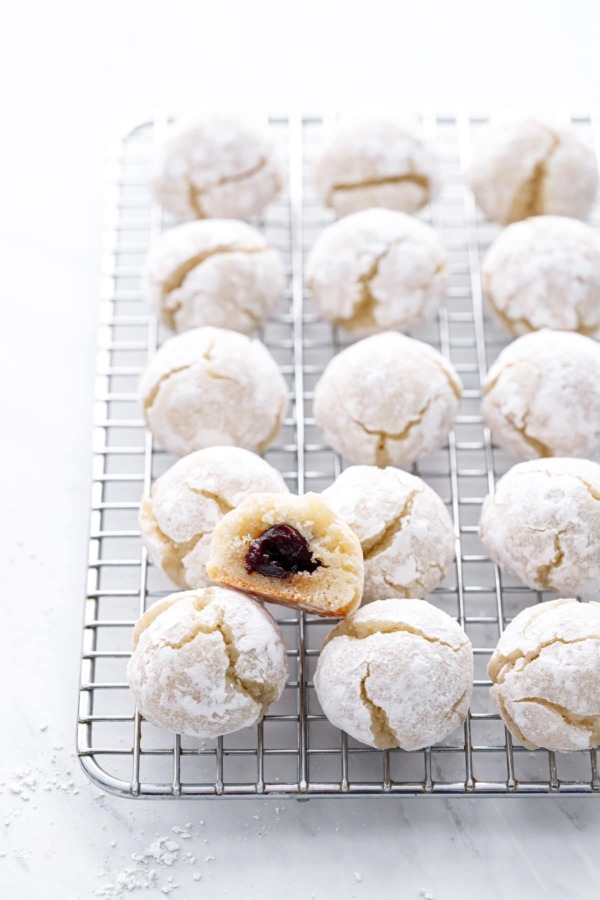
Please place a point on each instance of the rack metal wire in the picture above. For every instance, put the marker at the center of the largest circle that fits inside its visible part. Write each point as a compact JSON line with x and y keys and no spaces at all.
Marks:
{"x":295,"y":751}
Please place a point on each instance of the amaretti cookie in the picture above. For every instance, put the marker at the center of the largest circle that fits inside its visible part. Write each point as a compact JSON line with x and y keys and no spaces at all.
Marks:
{"x":216,"y":167}
{"x":377,"y":270}
{"x":290,"y":550}
{"x":387,"y":400}
{"x":375,"y":161}
{"x":211,"y":386}
{"x":404,"y":529}
{"x":542,"y":396}
{"x":545,"y":675}
{"x":207,"y":662}
{"x":397,"y":673}
{"x":530,"y":168}
{"x":218,"y":272}
{"x":545,"y":273}
{"x":543,"y":525}
{"x":190,"y":498}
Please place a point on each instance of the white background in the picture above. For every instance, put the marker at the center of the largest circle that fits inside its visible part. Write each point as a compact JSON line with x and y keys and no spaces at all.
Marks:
{"x":70,"y":74}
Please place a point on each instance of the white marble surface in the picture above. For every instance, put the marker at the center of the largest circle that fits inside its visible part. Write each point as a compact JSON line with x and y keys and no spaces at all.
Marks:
{"x":70,"y":72}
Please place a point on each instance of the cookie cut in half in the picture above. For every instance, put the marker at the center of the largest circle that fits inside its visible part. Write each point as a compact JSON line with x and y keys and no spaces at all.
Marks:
{"x":178,"y":517}
{"x":289,"y":550}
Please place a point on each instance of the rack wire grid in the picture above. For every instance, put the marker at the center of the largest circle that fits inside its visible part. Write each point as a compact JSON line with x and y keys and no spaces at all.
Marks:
{"x":295,"y":751}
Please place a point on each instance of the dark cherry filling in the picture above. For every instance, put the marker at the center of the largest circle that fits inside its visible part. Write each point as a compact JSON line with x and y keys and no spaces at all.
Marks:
{"x":280,"y":551}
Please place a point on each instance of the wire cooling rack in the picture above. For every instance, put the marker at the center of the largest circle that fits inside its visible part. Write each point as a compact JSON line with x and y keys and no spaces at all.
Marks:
{"x":295,"y":751}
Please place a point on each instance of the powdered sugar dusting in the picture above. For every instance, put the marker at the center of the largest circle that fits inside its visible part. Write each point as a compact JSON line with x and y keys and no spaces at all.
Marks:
{"x":192,"y":662}
{"x":404,"y":528}
{"x":387,"y":400}
{"x":546,"y":676}
{"x":218,"y":272}
{"x":376,"y":270}
{"x":216,"y":167}
{"x":535,"y":376}
{"x":211,"y":386}
{"x":397,"y":673}
{"x":543,"y":524}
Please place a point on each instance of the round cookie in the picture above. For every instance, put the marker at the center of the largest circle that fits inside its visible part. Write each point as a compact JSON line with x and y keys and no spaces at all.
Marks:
{"x":218,"y":272}
{"x":397,"y":673}
{"x":545,"y":675}
{"x":544,"y":272}
{"x":404,"y":529}
{"x":376,"y":270}
{"x":387,"y":400}
{"x":187,"y":502}
{"x":542,"y":524}
{"x":210,"y":386}
{"x":289,"y":550}
{"x":216,"y":167}
{"x":375,"y":161}
{"x":541,"y":397}
{"x":206,"y":663}
{"x":530,"y":168}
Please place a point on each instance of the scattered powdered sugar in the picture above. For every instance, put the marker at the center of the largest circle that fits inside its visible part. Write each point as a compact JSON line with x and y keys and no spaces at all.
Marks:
{"x":164,"y":851}
{"x":148,"y":867}
{"x":26,"y":781}
{"x":131,"y":879}
{"x":165,"y":861}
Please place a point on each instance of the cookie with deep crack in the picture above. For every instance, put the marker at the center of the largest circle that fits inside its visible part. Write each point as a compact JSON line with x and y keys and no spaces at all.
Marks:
{"x":541,"y":397}
{"x":531,"y":168}
{"x":397,"y":673}
{"x":545,"y":675}
{"x":387,"y":400}
{"x":218,"y":272}
{"x":544,"y":272}
{"x":404,"y":529}
{"x":216,"y":167}
{"x":210,"y":386}
{"x":290,"y":550}
{"x":206,"y":662}
{"x":542,"y":524}
{"x":177,"y":519}
{"x":375,"y":161}
{"x":378,"y":269}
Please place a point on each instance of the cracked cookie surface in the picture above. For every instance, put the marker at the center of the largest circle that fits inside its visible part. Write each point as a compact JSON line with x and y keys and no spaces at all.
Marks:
{"x":375,"y":162}
{"x":544,"y":272}
{"x":206,"y":662}
{"x":530,"y":168}
{"x":208,"y":387}
{"x":186,"y":503}
{"x":546,"y":676}
{"x":376,"y":270}
{"x":387,"y":400}
{"x":397,"y":673}
{"x":541,"y":397}
{"x":219,"y":272}
{"x":406,"y":534}
{"x":542,"y":524}
{"x":216,"y":167}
